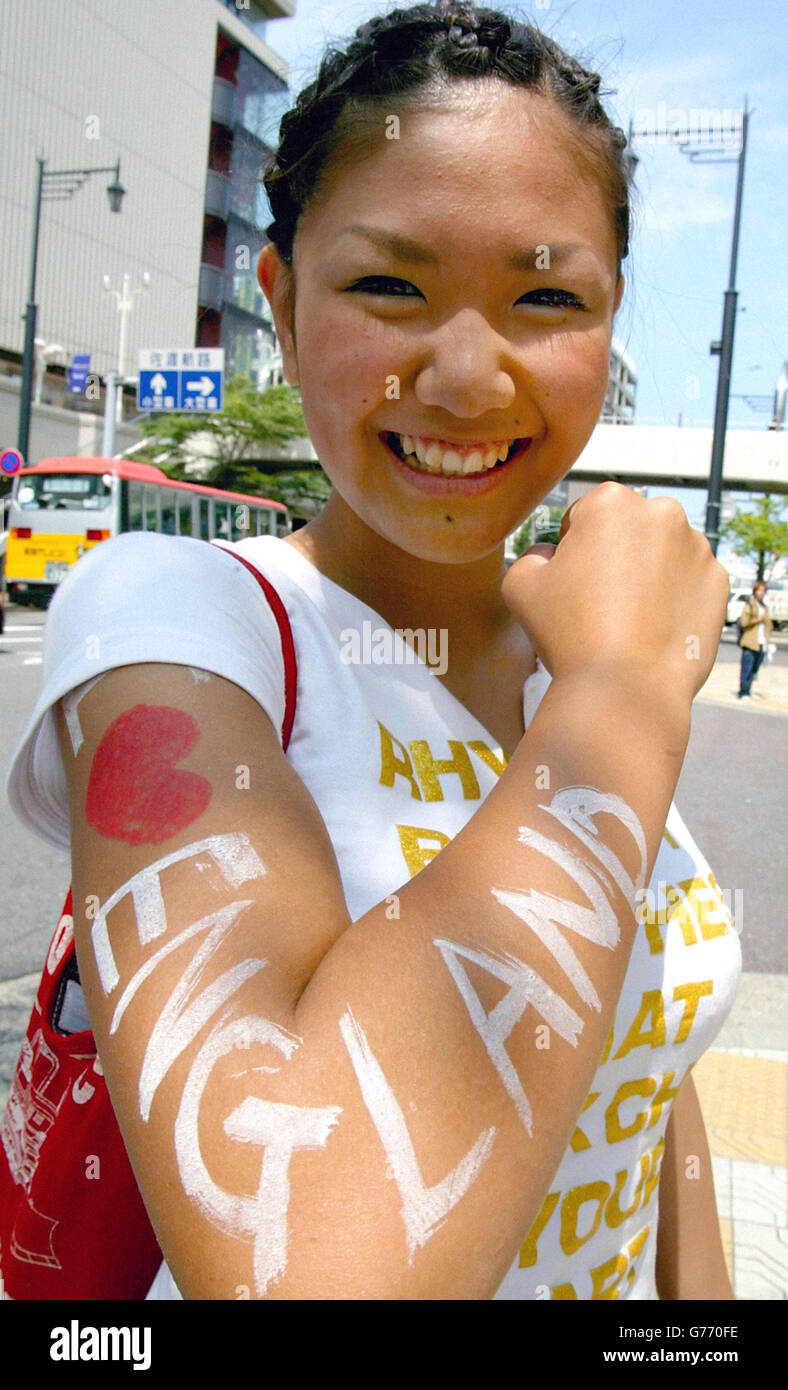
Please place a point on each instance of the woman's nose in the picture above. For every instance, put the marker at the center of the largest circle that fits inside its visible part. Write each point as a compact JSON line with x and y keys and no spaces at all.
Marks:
{"x":465,"y":372}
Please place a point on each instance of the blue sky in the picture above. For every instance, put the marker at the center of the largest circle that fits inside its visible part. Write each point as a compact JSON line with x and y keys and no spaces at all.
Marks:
{"x":687,"y":54}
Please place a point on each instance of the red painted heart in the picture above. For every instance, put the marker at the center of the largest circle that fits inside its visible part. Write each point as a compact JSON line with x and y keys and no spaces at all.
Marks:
{"x":135,"y":792}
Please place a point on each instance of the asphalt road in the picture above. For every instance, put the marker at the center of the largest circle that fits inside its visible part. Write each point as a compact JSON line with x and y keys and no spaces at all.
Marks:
{"x":732,"y":795}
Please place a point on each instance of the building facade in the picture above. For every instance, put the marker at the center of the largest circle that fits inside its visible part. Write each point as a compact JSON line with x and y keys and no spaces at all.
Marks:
{"x":188,"y":97}
{"x":619,"y":407}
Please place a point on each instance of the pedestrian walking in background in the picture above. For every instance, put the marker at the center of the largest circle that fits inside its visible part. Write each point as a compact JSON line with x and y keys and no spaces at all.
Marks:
{"x":756,"y":627}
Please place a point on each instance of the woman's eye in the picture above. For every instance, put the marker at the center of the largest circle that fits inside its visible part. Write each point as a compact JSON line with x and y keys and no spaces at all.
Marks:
{"x":385,"y":284}
{"x":552,"y":299}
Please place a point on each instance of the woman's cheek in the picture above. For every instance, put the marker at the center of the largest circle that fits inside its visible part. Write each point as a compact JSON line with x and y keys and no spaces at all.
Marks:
{"x":581,"y":379}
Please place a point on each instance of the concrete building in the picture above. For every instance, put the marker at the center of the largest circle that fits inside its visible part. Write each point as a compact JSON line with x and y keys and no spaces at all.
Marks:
{"x":188,"y":96}
{"x":619,"y":407}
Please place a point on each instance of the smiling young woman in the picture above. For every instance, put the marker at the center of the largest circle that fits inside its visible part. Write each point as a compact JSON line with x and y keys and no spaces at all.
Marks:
{"x":397,"y":977}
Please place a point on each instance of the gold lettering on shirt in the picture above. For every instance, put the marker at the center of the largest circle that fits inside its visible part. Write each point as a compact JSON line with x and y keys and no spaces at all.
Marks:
{"x":690,"y":995}
{"x":395,"y":764}
{"x":579,"y":1140}
{"x":695,"y":904}
{"x":430,"y":769}
{"x":416,"y":847}
{"x":491,"y":759}
{"x":615,"y":1130}
{"x":573,"y":1202}
{"x":606,"y":1278}
{"x":528,"y":1247}
{"x":650,"y":1007}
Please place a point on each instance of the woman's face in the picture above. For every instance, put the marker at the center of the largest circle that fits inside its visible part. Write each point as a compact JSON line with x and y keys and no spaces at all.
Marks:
{"x":454,"y":293}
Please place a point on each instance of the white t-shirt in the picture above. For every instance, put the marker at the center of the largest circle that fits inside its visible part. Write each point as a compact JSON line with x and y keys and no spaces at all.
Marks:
{"x":397,"y":766}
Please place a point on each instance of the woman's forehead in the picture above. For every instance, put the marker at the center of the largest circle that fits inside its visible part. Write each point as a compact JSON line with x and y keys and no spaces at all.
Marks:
{"x":483,"y":153}
{"x":471,"y":141}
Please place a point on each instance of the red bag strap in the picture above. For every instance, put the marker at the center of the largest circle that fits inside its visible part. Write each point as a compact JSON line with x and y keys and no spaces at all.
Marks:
{"x":285,"y":636}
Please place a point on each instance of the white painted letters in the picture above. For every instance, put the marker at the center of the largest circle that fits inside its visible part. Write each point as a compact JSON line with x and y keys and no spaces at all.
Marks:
{"x":424,"y":1209}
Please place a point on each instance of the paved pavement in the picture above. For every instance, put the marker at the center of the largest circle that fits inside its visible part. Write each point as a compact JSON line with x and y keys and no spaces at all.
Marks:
{"x":769,"y":689}
{"x":742,"y":1081}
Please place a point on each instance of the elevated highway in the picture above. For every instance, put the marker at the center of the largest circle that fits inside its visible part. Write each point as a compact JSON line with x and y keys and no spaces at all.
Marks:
{"x":755,"y":460}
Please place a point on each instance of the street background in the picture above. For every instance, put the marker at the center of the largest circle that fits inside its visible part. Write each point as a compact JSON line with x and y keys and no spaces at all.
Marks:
{"x":732,"y":796}
{"x":185,"y":96}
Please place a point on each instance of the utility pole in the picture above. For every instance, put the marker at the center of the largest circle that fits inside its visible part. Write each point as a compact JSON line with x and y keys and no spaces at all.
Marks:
{"x":724,"y":349}
{"x":716,"y":146}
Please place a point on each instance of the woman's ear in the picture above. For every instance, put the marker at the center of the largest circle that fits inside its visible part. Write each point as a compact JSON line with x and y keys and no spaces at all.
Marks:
{"x":278,"y":285}
{"x":619,"y":293}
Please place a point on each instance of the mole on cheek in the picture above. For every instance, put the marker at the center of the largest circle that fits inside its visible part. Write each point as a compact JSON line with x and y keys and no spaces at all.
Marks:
{"x":449,"y":518}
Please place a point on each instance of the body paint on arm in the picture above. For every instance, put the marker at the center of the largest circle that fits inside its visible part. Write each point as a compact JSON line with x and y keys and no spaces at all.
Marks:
{"x":280,"y":1130}
{"x":136,"y":792}
{"x":233,"y":855}
{"x":424,"y":1209}
{"x":525,"y":987}
{"x":71,"y":703}
{"x":545,"y":914}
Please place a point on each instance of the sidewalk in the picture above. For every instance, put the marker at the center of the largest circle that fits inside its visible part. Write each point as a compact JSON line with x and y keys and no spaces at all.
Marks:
{"x":769,"y":689}
{"x":742,"y":1082}
{"x":742,"y":1085}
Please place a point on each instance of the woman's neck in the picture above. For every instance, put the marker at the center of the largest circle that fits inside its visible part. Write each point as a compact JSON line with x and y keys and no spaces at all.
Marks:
{"x":406,"y":590}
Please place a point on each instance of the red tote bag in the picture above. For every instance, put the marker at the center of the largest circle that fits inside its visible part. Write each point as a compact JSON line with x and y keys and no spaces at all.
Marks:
{"x":72,"y":1222}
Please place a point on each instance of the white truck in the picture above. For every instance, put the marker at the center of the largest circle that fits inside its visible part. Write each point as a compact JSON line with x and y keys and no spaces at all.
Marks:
{"x":776,"y":602}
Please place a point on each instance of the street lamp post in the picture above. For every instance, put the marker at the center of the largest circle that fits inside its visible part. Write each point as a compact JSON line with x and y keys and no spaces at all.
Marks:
{"x":725,"y":351}
{"x":51,"y":185}
{"x":716,"y":150}
{"x":125,"y":302}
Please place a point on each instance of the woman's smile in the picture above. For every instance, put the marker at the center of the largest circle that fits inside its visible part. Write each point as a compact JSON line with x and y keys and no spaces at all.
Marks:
{"x":448,"y":469}
{"x":455,"y":344}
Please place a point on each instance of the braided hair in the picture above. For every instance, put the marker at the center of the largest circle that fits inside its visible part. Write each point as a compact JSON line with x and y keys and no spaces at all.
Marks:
{"x":401,"y":55}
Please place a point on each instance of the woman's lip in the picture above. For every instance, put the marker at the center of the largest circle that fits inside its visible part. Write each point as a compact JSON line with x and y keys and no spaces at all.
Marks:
{"x":466,"y":444}
{"x":457,"y":485}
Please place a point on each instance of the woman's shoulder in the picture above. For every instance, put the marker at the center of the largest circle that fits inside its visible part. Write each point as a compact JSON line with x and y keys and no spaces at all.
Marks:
{"x":143,"y":559}
{"x":143,"y":597}
{"x":143,"y":579}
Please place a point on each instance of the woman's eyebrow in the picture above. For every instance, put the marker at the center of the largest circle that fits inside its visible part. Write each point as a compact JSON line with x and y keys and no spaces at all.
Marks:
{"x":525,"y":258}
{"x":400,"y":246}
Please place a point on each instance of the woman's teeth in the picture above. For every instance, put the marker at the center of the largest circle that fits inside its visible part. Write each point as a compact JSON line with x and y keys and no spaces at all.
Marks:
{"x":432,"y":457}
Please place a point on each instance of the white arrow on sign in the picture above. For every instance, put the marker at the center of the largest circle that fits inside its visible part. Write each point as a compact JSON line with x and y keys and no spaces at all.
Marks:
{"x":204,"y":386}
{"x":158,"y":384}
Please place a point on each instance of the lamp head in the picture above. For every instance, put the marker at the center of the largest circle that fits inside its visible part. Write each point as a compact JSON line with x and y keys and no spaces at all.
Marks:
{"x":115,"y":191}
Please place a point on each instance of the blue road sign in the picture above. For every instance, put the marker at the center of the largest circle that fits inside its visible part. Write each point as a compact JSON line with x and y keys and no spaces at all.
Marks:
{"x":201,"y":390}
{"x":188,"y":379}
{"x":78,"y":373}
{"x":159,"y":390}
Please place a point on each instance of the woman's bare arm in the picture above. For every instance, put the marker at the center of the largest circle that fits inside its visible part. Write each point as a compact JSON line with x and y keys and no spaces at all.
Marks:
{"x":316,"y":1109}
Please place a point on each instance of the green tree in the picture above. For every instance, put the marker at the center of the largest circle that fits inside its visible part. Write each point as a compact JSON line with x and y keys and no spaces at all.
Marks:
{"x":544,"y":524}
{"x":760,"y":534}
{"x":224,"y":444}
